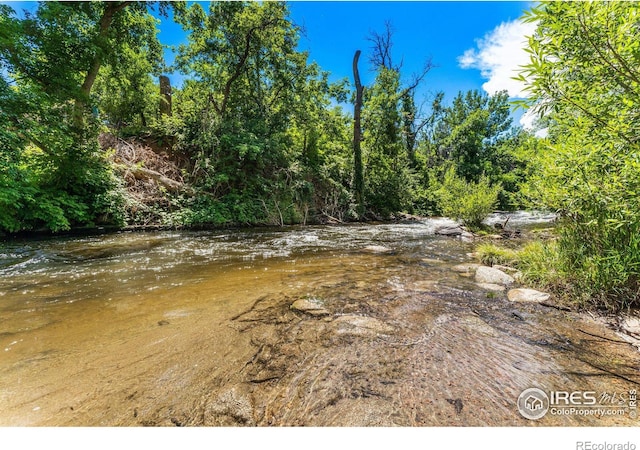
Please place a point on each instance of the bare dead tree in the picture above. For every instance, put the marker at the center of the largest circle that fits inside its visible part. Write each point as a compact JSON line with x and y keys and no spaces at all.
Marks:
{"x":357,"y":138}
{"x":165,"y":95}
{"x":381,"y":48}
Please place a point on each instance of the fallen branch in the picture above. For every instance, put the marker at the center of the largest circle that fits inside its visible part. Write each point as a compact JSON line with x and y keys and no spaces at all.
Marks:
{"x":253,"y":307}
{"x":141,"y":173}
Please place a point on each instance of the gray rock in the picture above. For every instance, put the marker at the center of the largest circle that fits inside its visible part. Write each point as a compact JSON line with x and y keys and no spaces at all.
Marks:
{"x":450,"y":230}
{"x":311,"y":306}
{"x":467,"y":237}
{"x":527,"y":295}
{"x":490,"y":275}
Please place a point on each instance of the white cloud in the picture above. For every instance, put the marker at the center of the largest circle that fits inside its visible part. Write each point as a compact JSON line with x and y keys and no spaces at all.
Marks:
{"x":528,"y":121}
{"x":499,"y":55}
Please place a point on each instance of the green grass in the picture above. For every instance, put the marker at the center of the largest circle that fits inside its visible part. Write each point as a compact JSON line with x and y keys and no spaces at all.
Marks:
{"x":490,"y":254}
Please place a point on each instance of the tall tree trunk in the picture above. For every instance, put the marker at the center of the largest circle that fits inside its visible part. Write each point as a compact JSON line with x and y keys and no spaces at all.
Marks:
{"x":165,"y":96}
{"x":111,"y":8}
{"x":357,"y":138}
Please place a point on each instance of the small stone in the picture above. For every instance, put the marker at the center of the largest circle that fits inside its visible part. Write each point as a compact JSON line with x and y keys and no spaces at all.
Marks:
{"x":527,"y":295}
{"x":631,"y":325}
{"x":377,"y":249}
{"x":492,"y":287}
{"x":490,"y":275}
{"x":517,"y":276}
{"x":431,"y":261}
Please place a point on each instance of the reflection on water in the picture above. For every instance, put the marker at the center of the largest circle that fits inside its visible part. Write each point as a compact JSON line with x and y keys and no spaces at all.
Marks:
{"x":84,"y":318}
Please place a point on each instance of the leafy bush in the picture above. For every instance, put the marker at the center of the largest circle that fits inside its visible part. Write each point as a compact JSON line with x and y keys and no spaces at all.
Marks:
{"x":469,"y":202}
{"x":589,"y":172}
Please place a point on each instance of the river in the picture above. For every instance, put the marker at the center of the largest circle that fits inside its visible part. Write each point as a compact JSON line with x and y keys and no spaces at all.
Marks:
{"x":196,"y":328}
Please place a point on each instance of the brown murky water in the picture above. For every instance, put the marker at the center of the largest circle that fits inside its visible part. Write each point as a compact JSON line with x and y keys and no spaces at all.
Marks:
{"x":196,"y":328}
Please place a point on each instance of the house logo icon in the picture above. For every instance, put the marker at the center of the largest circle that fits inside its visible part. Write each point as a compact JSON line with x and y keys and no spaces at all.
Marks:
{"x":533,"y":403}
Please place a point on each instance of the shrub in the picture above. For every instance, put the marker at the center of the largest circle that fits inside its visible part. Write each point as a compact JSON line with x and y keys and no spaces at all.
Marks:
{"x":468,"y":202}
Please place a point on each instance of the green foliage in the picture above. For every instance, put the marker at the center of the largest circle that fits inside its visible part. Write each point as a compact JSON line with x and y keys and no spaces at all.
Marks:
{"x":53,"y":175}
{"x":584,"y":75}
{"x":469,"y":202}
{"x":389,"y":180}
{"x":467,"y":132}
{"x":254,"y":126}
{"x":491,"y":254}
{"x":256,"y":118}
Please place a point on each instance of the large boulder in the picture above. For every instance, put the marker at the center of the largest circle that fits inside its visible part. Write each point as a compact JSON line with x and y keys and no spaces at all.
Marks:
{"x":490,"y":275}
{"x":527,"y":295}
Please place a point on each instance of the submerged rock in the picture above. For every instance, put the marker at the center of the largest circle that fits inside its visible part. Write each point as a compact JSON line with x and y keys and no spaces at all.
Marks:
{"x":361,"y":326}
{"x":465,"y":268}
{"x":527,"y":295}
{"x":231,"y":408}
{"x":491,"y":275}
{"x":311,"y":306}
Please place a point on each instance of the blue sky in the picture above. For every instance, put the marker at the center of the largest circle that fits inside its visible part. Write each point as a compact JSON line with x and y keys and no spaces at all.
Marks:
{"x":442,"y":31}
{"x":473,"y":45}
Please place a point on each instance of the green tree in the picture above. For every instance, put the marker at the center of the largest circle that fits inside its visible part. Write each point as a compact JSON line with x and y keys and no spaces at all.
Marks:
{"x":388,"y":180}
{"x":584,"y":77}
{"x":249,"y":112}
{"x":466,"y":132}
{"x":49,"y":63}
{"x":390,"y":131}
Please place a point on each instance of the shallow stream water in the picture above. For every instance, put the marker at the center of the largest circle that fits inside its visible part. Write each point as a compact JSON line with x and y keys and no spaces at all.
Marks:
{"x":196,"y":328}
